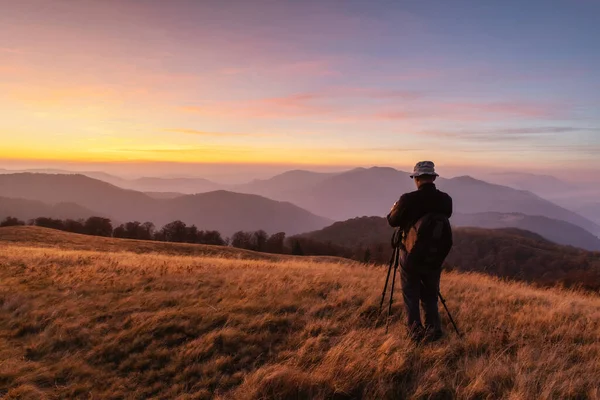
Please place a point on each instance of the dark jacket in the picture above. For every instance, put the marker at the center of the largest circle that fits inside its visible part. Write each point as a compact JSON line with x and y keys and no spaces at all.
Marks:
{"x":414,"y":205}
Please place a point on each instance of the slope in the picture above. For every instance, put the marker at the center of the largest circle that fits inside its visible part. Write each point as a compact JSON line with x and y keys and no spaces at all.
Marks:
{"x":510,"y":252}
{"x":372,"y":191}
{"x":29,"y":209}
{"x":474,"y":196}
{"x":179,"y":185}
{"x":107,"y":199}
{"x":224,"y":211}
{"x":285,"y":186}
{"x":557,"y":231}
{"x":35,"y":236}
{"x":228,"y":212}
{"x":370,"y":230}
{"x":81,"y":324}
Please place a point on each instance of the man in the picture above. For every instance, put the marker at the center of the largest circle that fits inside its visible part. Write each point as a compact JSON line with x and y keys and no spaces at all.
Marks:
{"x":420,"y":283}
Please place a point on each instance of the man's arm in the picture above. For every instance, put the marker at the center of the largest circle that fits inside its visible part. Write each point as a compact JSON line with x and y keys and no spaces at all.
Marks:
{"x":397,"y":215}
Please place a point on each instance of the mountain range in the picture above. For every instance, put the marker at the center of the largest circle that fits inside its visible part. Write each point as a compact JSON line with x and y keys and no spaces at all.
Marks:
{"x":300,"y":201}
{"x":372,"y":191}
{"x":224,"y":211}
{"x":29,"y":209}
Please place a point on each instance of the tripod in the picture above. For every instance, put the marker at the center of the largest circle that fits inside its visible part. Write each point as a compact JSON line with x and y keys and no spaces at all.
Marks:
{"x":394,"y":263}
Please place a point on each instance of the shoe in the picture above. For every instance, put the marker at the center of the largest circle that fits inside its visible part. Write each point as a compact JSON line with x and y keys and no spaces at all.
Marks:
{"x":416,"y":334}
{"x":433,"y":335}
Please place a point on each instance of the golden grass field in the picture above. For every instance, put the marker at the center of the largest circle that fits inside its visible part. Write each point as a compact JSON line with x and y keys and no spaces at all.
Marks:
{"x":91,"y":318}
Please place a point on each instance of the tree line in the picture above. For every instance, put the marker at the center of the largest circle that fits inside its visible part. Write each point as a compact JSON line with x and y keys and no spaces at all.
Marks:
{"x":176,"y":231}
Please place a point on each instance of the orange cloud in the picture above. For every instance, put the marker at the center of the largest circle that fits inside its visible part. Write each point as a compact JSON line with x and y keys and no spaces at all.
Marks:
{"x":320,"y":67}
{"x":279,"y":107}
{"x":300,"y":105}
{"x":218,"y":134}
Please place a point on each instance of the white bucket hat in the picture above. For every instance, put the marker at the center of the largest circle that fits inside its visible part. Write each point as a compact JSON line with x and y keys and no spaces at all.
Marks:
{"x":424,"y":168}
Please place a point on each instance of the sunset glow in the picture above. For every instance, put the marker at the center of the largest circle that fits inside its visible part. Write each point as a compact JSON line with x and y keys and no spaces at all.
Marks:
{"x":318,"y":83}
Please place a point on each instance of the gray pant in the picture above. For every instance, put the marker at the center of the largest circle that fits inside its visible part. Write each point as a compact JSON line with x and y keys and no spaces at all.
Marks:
{"x":421,"y":286}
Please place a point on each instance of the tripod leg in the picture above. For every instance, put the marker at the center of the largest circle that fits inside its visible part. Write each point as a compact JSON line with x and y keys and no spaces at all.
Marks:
{"x":449,"y":315}
{"x":396,"y":261}
{"x":387,"y":280}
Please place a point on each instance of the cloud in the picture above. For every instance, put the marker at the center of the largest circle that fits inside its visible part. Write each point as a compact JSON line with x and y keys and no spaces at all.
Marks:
{"x":308,"y":104}
{"x":460,"y":111}
{"x":302,"y":68}
{"x":299,"y":105}
{"x":499,"y":135}
{"x":12,"y":50}
{"x":218,"y":134}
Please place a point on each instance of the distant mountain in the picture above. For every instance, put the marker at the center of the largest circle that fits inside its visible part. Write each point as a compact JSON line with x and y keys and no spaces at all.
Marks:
{"x":591,"y":211}
{"x":224,"y":211}
{"x":146,"y":184}
{"x":557,"y":231}
{"x":372,"y":230}
{"x":474,"y":196}
{"x":181,"y":185}
{"x":372,"y":191}
{"x":284,"y":186}
{"x":119,"y":204}
{"x":542,"y":185}
{"x":507,"y":252}
{"x":228,"y":212}
{"x":29,"y":209}
{"x":344,"y":195}
{"x":103,"y":176}
{"x":164,"y":195}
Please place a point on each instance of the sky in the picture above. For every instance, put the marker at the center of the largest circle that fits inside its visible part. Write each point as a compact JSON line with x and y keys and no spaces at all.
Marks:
{"x":183,"y":85}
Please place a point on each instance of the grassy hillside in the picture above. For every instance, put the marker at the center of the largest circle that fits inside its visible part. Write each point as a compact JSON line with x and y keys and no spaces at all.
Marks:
{"x":35,"y":236}
{"x":98,"y":324}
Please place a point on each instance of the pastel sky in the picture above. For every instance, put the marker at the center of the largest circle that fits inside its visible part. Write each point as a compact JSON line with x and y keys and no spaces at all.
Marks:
{"x":498,"y":84}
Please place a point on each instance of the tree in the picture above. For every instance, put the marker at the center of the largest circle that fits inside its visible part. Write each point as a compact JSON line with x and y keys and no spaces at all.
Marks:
{"x":175,"y":232}
{"x":212,"y":237}
{"x":242,"y":240}
{"x":297,"y":249}
{"x":98,"y":226}
{"x":75,"y":226}
{"x":11,"y":221}
{"x":259,"y":240}
{"x":192,"y":234}
{"x":275,"y":243}
{"x":120,"y":232}
{"x":132,"y":230}
{"x":146,"y":231}
{"x":367,"y":257}
{"x":49,"y":223}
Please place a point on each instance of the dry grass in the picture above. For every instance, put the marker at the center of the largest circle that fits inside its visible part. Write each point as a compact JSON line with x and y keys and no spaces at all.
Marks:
{"x":92,"y":324}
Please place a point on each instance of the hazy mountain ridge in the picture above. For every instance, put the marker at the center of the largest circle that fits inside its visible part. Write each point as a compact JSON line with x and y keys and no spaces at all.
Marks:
{"x":372,"y":191}
{"x":224,"y":211}
{"x":540,"y":184}
{"x":143,"y":184}
{"x":357,"y":192}
{"x":25,"y":210}
{"x":591,"y":211}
